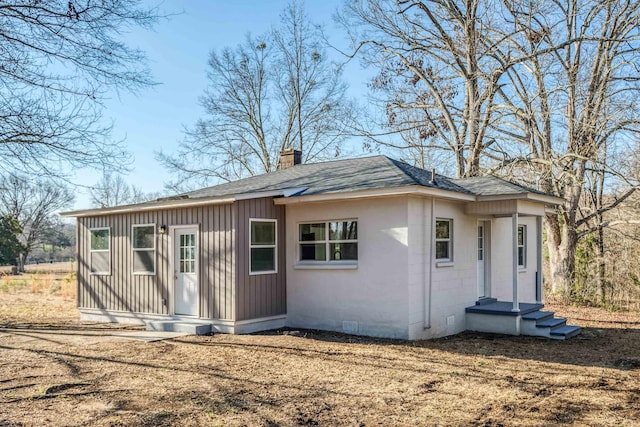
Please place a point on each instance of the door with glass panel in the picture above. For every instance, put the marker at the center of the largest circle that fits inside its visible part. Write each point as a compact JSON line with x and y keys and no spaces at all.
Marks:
{"x":186,"y":271}
{"x":483,"y":259}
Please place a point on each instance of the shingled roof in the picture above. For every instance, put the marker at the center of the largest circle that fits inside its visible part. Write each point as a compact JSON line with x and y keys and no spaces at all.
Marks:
{"x":334,"y":177}
{"x":492,"y":186}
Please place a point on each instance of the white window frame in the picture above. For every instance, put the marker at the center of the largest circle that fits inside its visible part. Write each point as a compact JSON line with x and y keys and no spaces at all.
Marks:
{"x":327,"y":242}
{"x":134,"y":249}
{"x":274,"y":246}
{"x":91,"y":251}
{"x":522,"y":246}
{"x":449,"y":240}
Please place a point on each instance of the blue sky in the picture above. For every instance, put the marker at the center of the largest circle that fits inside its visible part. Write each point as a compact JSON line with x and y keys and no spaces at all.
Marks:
{"x":178,"y":49}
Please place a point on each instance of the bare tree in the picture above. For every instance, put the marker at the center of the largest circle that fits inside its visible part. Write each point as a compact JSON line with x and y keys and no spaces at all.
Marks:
{"x":438,"y":73}
{"x":114,"y":190}
{"x":545,"y":92}
{"x":34,"y":204}
{"x":57,"y":61}
{"x":271,"y":92}
{"x":575,"y":105}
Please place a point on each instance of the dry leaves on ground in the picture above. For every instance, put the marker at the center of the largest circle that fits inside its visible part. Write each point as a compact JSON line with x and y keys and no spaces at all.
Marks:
{"x":50,"y":375}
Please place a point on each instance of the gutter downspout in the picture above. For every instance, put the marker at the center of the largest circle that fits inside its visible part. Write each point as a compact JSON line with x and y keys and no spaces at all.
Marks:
{"x":427,"y":313}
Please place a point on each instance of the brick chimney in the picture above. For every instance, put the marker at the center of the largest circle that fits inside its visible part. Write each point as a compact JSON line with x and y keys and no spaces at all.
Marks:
{"x":289,"y":157}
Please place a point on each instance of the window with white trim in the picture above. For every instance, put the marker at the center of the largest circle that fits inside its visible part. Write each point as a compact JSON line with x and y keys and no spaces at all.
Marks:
{"x":263,"y":253}
{"x":100,"y":251}
{"x":143,"y":239}
{"x":522,"y":247}
{"x":329,"y":241}
{"x":444,"y":239}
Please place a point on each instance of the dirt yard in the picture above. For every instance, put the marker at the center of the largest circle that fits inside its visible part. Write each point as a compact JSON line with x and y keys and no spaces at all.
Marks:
{"x":57,"y":371}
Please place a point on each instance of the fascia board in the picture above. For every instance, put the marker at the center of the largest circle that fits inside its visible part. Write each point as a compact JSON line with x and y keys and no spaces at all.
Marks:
{"x":552,"y":200}
{"x":181,"y":203}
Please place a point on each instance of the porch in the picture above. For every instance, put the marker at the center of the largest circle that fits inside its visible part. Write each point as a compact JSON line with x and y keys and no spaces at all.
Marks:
{"x":493,"y":316}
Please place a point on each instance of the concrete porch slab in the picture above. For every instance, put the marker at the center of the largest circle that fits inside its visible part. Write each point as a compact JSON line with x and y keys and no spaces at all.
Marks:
{"x":504,"y":308}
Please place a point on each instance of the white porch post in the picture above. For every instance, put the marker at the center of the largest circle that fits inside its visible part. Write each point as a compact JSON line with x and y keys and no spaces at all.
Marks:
{"x":514,"y":248}
{"x":539,"y":259}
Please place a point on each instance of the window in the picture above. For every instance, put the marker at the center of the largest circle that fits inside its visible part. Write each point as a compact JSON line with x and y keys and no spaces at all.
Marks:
{"x":187,"y":253}
{"x":480,"y":243}
{"x":522,"y":247}
{"x":444,"y":241}
{"x":100,"y":251}
{"x":144,"y":249}
{"x":262,"y":246}
{"x":332,"y":241}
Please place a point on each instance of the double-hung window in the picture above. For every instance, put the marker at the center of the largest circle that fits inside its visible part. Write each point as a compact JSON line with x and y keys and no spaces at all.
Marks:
{"x":329,"y":241}
{"x":444,"y":239}
{"x":262,"y":246}
{"x":144,"y":249}
{"x":522,"y":247}
{"x":100,"y":251}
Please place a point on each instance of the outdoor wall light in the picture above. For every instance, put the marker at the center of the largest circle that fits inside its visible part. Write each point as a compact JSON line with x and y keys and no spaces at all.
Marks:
{"x":163,"y":229}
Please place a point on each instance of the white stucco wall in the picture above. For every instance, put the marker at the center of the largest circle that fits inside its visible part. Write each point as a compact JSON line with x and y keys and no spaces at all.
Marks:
{"x":502,"y":256}
{"x":371,"y":299}
{"x":453,"y":285}
{"x":387,"y":294}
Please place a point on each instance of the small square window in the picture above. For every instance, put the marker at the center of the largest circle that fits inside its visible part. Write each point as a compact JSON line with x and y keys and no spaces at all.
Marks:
{"x":262,"y":246}
{"x":444,"y":240}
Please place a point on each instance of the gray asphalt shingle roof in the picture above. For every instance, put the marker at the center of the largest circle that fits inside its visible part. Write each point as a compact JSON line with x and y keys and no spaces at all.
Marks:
{"x":492,"y":185}
{"x":334,"y":177}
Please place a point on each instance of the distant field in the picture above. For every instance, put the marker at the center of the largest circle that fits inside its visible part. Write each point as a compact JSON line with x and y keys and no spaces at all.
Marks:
{"x":56,"y":267}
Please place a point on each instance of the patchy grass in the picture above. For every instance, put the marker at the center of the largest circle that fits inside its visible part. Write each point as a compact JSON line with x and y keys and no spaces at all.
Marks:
{"x":35,"y":298}
{"x":313,"y":378}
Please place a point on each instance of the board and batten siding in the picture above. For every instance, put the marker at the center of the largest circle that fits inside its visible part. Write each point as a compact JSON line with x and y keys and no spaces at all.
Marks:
{"x":260,"y":295}
{"x":124,"y":291}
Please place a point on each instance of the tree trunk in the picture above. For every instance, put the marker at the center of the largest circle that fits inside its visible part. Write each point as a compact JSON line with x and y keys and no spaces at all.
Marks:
{"x":21,"y":261}
{"x":602,"y":280}
{"x":561,"y":242}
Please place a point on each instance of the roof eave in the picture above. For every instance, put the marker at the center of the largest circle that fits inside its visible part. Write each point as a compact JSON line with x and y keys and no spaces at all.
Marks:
{"x":169,"y":204}
{"x":543,"y":198}
{"x":181,"y":203}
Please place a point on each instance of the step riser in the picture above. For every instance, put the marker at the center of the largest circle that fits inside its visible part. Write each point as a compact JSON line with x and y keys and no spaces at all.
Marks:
{"x":565,"y":332}
{"x":551,"y":323}
{"x":539,"y":316}
{"x":529,"y":327}
{"x":173,"y":326}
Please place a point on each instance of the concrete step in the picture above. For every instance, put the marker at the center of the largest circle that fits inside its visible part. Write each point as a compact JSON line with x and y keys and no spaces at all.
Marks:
{"x":194,"y":328}
{"x":538,"y":315}
{"x":553,"y":322}
{"x":544,"y":324}
{"x":565,"y":332}
{"x":529,"y":324}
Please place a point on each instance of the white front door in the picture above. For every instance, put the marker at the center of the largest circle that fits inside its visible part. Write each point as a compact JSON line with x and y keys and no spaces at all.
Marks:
{"x":482,"y":262}
{"x":186,"y":271}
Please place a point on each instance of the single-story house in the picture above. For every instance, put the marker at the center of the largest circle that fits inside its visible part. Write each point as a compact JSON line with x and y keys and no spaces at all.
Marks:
{"x":370,"y":246}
